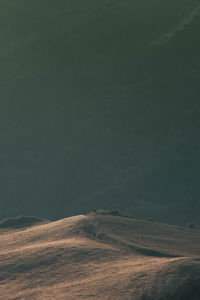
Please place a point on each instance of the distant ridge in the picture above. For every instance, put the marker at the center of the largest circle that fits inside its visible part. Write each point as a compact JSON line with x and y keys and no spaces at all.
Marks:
{"x":20,"y":222}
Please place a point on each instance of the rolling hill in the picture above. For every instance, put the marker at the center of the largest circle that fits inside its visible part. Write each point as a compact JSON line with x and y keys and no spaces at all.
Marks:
{"x":99,"y":256}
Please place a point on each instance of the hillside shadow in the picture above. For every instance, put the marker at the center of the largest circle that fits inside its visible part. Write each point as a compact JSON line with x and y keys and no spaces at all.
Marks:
{"x":20,"y":222}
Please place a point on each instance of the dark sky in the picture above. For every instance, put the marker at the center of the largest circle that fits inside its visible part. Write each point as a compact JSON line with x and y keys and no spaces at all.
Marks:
{"x":100,"y":108}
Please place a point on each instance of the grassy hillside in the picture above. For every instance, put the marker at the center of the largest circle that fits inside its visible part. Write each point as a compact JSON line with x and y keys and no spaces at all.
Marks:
{"x":100,"y":108}
{"x":99,"y":257}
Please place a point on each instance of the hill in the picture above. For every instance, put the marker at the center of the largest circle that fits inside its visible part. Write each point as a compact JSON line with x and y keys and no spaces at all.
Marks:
{"x":100,"y":108}
{"x":100,"y":256}
{"x":20,"y":221}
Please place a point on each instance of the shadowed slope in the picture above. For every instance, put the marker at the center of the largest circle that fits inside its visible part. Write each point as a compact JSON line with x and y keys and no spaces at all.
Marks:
{"x":98,"y":257}
{"x":20,"y":221}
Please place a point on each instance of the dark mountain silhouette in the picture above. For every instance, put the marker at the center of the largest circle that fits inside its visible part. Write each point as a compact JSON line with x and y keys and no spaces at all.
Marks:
{"x":100,"y":108}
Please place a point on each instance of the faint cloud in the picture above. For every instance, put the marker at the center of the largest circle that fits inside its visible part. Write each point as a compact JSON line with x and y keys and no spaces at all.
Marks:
{"x":179,"y":27}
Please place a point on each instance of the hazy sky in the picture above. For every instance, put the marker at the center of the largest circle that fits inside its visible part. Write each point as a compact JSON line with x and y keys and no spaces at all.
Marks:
{"x":99,"y":107}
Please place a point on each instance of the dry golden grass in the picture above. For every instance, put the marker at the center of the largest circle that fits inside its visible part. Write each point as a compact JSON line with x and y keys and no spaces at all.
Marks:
{"x":99,"y":257}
